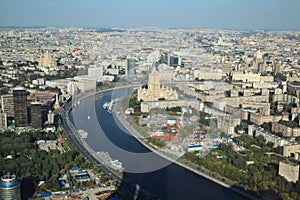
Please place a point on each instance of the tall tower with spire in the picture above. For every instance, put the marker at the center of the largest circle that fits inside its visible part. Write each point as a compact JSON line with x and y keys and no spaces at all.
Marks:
{"x":154,"y":83}
{"x":56,"y":104}
{"x":155,"y":92}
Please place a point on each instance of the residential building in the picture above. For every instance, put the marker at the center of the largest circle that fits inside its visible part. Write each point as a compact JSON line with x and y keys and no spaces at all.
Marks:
{"x":256,"y":131}
{"x":7,"y":105}
{"x":285,"y":130}
{"x":289,"y":170}
{"x":291,"y":151}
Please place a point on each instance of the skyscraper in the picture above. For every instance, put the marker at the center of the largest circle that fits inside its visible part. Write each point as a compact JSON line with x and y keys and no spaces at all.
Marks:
{"x":20,"y":107}
{"x":7,"y":104}
{"x":174,"y":61}
{"x":130,"y":65}
{"x":3,"y":121}
{"x":36,"y":115}
{"x":47,"y":60}
{"x":10,"y":188}
{"x":50,"y":117}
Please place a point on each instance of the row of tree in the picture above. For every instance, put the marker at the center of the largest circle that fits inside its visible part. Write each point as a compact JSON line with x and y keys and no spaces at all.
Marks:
{"x":259,"y":177}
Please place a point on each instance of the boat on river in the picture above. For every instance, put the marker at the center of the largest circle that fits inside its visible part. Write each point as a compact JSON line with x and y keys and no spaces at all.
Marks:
{"x":115,"y":164}
{"x":108,"y":106}
{"x":83,"y":134}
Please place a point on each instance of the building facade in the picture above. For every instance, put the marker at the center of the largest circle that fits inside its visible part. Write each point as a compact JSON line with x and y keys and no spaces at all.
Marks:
{"x":36,"y":115}
{"x":289,"y":170}
{"x":20,"y":107}
{"x":3,"y":121}
{"x":285,"y":130}
{"x":7,"y":105}
{"x":47,"y":60}
{"x":291,"y":151}
{"x":256,"y":131}
{"x":155,"y":92}
{"x":130,"y":66}
{"x":195,"y":104}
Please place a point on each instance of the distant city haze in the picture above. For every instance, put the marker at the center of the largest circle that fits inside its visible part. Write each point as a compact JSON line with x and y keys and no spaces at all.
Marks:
{"x":222,"y":14}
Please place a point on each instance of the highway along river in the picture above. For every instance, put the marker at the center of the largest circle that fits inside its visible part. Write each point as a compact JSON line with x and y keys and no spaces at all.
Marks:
{"x":151,"y":172}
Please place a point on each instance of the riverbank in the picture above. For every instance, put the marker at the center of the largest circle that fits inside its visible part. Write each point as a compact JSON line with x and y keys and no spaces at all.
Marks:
{"x":139,"y":138}
{"x":122,"y":119}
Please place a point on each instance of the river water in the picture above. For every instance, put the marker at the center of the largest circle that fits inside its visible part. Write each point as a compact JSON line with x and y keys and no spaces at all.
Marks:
{"x":151,"y":172}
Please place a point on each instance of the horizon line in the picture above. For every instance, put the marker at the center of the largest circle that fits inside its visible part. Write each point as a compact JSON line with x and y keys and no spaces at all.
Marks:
{"x":151,"y":27}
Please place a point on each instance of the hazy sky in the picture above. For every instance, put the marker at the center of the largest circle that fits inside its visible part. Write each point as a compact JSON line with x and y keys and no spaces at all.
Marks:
{"x":232,"y":14}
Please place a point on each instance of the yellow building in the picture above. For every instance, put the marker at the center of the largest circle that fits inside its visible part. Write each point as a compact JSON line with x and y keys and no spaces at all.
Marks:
{"x":285,"y":130}
{"x":291,"y":151}
{"x":47,"y":60}
{"x":238,"y":76}
{"x":155,"y":91}
{"x":290,"y":171}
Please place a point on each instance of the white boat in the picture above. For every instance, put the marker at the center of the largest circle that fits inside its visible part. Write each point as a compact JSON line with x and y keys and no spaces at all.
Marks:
{"x":108,"y":106}
{"x":115,"y":164}
{"x":83,"y":134}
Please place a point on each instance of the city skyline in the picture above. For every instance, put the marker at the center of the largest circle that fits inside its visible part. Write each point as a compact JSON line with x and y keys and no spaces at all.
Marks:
{"x":232,"y":14}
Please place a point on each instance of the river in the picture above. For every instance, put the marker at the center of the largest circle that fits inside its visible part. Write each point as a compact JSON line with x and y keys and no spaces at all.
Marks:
{"x":151,"y":172}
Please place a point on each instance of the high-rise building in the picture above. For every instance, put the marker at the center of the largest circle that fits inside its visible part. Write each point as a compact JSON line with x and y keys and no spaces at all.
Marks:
{"x":3,"y":121}
{"x":258,"y":58}
{"x":72,"y":88}
{"x":130,"y":65}
{"x":36,"y":114}
{"x":260,"y":67}
{"x":10,"y":188}
{"x":47,"y":60}
{"x":7,"y":105}
{"x":174,"y":61}
{"x":20,"y":107}
{"x":155,"y":92}
{"x":50,"y":117}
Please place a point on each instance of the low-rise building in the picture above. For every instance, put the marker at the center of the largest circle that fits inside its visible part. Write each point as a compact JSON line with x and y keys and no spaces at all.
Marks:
{"x":256,"y":131}
{"x":285,"y":130}
{"x":147,"y":106}
{"x":242,"y":113}
{"x":291,"y":151}
{"x":230,"y":122}
{"x":259,"y":119}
